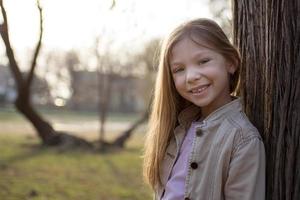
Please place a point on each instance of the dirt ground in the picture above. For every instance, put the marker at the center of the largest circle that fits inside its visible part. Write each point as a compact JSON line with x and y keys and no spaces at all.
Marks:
{"x":86,"y":129}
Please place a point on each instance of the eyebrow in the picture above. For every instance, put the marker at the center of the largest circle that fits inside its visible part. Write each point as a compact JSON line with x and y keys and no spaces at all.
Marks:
{"x":196,"y":55}
{"x":175,"y":63}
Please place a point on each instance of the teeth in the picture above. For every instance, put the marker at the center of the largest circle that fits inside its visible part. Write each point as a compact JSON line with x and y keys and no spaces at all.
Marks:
{"x":199,"y":89}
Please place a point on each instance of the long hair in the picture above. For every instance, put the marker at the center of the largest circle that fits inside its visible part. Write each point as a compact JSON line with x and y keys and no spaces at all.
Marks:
{"x":167,"y":103}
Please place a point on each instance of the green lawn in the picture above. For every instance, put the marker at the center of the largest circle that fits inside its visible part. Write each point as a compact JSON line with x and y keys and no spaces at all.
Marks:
{"x":28,"y":171}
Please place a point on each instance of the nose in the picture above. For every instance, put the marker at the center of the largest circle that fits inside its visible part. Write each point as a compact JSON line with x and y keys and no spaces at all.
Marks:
{"x":192,"y":75}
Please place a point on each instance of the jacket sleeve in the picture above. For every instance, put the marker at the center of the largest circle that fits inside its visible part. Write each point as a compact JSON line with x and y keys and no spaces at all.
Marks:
{"x":246,"y":173}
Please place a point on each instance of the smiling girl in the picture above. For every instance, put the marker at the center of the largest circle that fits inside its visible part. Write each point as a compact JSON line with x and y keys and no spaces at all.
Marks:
{"x":200,"y":144}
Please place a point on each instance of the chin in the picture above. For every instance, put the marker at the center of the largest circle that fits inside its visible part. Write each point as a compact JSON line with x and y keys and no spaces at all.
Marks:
{"x":201,"y":104}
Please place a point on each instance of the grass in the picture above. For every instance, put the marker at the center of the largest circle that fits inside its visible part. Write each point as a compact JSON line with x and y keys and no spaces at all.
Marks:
{"x":28,"y":171}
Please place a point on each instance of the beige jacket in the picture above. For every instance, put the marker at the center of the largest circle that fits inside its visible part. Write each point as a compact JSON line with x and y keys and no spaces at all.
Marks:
{"x":227,"y":161}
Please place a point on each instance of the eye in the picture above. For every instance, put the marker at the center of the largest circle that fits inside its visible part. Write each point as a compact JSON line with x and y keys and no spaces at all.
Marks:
{"x":203,"y":61}
{"x":178,"y":69}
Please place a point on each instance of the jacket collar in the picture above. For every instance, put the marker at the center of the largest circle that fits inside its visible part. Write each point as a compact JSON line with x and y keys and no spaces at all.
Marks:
{"x":193,"y":112}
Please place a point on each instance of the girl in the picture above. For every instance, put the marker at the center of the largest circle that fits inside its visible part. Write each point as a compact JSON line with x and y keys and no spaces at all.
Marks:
{"x":200,"y":144}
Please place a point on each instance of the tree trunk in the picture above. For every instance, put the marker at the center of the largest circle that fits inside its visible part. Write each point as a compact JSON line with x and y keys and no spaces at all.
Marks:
{"x":267,"y":34}
{"x":104,"y":94}
{"x":101,"y":104}
{"x":43,"y":128}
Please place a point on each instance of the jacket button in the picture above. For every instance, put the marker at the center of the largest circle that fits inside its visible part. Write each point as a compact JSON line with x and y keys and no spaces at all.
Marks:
{"x":194,"y":165}
{"x":199,"y":132}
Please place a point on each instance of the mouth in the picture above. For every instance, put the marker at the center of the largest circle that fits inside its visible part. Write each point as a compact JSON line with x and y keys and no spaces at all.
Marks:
{"x":199,"y":90}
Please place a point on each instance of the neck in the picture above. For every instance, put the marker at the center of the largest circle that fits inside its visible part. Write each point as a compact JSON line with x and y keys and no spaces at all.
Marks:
{"x":205,"y":111}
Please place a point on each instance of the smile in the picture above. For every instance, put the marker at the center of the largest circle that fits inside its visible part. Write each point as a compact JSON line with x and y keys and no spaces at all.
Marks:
{"x":199,"y":90}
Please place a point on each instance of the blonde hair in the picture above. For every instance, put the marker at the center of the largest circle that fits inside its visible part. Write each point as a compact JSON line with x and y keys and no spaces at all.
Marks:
{"x":167,"y":103}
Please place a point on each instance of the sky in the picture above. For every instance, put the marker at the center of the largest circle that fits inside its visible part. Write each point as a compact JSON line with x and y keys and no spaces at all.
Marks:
{"x":74,"y":24}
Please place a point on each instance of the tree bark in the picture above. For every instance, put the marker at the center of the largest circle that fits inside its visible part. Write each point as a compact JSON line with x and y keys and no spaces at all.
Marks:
{"x":267,"y":34}
{"x":42,"y":127}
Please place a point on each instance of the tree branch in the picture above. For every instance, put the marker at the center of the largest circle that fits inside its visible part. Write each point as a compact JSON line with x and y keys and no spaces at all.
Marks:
{"x":38,"y":47}
{"x":9,"y":51}
{"x":113,"y":4}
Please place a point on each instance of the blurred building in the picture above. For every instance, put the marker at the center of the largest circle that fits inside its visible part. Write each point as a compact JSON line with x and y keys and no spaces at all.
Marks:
{"x":40,"y":89}
{"x":126,"y":93}
{"x":7,"y":86}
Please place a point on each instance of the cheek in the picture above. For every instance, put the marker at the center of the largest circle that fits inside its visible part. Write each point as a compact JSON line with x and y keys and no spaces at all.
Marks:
{"x":217,"y":74}
{"x":179,"y":81}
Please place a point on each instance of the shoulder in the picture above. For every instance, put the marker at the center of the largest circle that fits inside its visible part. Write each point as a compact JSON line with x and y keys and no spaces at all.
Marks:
{"x":245,"y":132}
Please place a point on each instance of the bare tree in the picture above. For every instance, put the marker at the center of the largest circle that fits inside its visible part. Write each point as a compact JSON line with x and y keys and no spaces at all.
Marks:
{"x":149,"y":58}
{"x":23,"y":83}
{"x":57,"y":72}
{"x":268,"y":36}
{"x":221,"y":13}
{"x":105,"y":76}
{"x":22,"y":103}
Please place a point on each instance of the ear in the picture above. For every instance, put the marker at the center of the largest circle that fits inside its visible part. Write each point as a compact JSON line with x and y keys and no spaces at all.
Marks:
{"x":231,"y":67}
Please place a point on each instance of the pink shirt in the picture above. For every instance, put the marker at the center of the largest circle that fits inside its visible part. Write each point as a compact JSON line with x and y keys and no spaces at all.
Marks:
{"x":174,"y":189}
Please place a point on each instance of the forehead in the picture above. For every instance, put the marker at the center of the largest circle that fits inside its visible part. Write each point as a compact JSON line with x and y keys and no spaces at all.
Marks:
{"x":189,"y":46}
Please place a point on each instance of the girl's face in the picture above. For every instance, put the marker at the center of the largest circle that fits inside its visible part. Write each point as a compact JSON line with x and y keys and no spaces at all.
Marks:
{"x":201,"y":75}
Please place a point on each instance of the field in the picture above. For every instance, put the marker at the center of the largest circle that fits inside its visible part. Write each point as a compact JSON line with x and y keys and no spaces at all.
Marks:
{"x":30,"y":171}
